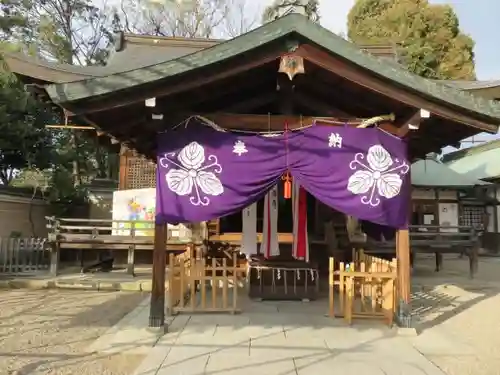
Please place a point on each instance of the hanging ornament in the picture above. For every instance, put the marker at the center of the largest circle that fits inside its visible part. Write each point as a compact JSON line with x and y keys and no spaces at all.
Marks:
{"x":291,"y":65}
{"x":287,"y":191}
{"x":287,"y":177}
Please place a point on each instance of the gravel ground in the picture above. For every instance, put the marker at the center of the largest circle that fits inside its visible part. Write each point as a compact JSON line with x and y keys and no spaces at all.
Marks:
{"x":46,"y":331}
{"x":470,"y":318}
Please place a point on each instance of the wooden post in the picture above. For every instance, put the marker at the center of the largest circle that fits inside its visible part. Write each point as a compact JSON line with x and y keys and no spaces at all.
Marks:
{"x":157,"y":307}
{"x":404,"y":277}
{"x":403,"y":256}
{"x":54,"y":258}
{"x":131,"y":251}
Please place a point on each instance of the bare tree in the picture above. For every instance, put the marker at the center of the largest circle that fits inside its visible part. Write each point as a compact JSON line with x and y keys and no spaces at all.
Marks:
{"x":67,"y":31}
{"x":203,"y":19}
{"x":310,"y":8}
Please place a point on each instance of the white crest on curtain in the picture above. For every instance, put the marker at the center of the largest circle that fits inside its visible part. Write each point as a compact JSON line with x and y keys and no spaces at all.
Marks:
{"x":194,"y":176}
{"x":378,"y":177}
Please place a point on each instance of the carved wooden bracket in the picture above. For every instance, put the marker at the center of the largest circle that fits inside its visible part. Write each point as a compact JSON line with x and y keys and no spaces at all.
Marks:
{"x":291,"y":65}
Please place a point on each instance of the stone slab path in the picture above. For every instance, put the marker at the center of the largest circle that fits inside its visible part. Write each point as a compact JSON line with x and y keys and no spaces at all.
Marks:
{"x":281,"y":338}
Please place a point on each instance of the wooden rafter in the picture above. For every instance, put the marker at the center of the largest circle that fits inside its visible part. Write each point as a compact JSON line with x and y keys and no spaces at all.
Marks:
{"x":158,"y":90}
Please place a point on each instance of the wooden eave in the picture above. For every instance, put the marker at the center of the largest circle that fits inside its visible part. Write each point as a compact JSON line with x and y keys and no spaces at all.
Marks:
{"x":34,"y":70}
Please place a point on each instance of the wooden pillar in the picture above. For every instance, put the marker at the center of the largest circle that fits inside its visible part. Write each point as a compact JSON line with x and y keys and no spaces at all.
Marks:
{"x":157,"y":307}
{"x":403,"y":249}
{"x":122,"y":175}
{"x":403,"y":257}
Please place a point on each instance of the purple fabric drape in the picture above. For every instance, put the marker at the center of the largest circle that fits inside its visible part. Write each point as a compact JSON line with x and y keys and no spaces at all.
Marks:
{"x":204,"y":173}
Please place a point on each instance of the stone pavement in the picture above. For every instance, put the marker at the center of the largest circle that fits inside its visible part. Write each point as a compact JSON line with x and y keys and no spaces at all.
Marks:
{"x":281,"y":338}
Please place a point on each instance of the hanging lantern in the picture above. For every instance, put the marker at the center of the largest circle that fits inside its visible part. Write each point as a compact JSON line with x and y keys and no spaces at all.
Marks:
{"x":287,"y":178}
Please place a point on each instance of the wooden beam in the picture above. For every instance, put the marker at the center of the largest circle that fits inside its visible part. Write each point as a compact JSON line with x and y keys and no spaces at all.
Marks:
{"x":251,"y":103}
{"x":319,"y":106}
{"x":412,"y":123}
{"x":275,"y":122}
{"x":355,"y":74}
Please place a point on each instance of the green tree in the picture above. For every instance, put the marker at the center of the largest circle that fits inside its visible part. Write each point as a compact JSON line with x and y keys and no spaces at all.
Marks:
{"x":24,"y":141}
{"x":75,"y":32}
{"x":280,"y":7}
{"x":427,"y":36}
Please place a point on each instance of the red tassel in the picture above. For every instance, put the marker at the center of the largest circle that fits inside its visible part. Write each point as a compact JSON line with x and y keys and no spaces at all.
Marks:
{"x":287,"y":193}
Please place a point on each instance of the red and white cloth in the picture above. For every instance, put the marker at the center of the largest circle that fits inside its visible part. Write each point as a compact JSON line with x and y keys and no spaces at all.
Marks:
{"x":249,"y":235}
{"x":270,"y":246}
{"x":300,"y":248}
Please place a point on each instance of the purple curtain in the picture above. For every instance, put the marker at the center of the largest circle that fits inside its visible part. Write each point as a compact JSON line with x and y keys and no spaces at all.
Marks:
{"x":204,"y":173}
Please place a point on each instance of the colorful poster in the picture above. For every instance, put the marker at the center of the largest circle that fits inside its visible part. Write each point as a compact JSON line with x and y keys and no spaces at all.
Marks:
{"x":134,"y":205}
{"x":139,"y":205}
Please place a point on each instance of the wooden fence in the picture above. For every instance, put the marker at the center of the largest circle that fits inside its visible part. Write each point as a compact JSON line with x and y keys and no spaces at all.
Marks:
{"x":366,"y":288}
{"x":198,"y":284}
{"x":18,"y":255}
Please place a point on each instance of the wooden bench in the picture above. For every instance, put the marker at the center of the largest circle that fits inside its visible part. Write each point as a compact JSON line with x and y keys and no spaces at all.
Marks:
{"x":432,"y":239}
{"x":104,"y":235}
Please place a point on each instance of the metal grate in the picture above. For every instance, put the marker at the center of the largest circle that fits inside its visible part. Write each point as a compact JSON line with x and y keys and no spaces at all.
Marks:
{"x":141,"y":173}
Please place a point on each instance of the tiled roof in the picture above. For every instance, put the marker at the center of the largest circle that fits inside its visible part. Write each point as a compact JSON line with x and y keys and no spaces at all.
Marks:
{"x":292,"y":23}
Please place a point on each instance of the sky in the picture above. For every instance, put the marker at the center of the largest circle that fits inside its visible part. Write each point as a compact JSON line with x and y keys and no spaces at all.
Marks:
{"x":477,"y":19}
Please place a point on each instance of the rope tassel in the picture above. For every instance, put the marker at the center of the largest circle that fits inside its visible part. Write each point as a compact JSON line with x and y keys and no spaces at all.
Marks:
{"x":287,"y":177}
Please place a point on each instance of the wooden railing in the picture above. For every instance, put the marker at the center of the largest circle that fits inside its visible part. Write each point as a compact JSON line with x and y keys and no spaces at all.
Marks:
{"x":195,"y":285}
{"x":110,"y":235}
{"x":19,"y":255}
{"x":365,"y":288}
{"x":433,"y":239}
